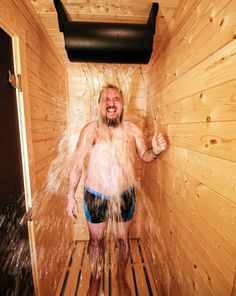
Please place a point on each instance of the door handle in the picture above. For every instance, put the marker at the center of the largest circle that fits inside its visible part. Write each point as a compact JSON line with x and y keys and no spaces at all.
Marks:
{"x":15,"y":80}
{"x":27,"y":217}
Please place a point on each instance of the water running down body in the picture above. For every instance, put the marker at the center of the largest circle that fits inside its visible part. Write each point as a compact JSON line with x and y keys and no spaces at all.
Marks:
{"x":108,"y":148}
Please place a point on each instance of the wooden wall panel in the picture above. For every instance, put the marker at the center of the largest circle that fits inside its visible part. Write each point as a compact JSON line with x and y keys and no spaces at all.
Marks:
{"x":191,"y":188}
{"x":193,"y":35}
{"x":214,"y":104}
{"x":44,"y":82}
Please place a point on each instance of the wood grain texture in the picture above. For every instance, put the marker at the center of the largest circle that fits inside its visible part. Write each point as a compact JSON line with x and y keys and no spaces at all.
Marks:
{"x":192,"y":95}
{"x":44,"y":95}
{"x":138,"y":275}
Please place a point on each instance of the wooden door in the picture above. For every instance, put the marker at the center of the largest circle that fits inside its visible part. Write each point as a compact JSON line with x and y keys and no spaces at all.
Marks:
{"x":15,"y":263}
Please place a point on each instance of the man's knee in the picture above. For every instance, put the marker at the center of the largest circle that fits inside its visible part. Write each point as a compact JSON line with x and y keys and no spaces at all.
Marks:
{"x":121,"y":242}
{"x":97,"y":242}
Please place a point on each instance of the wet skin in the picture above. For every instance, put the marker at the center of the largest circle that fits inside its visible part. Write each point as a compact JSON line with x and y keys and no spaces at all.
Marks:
{"x":109,"y":147}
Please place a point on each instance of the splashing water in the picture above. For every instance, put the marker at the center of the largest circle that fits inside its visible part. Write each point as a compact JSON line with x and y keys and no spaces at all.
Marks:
{"x":55,"y":187}
{"x":101,"y":75}
{"x":15,"y":272}
{"x":156,"y":117}
{"x":97,"y":76}
{"x":116,"y":167}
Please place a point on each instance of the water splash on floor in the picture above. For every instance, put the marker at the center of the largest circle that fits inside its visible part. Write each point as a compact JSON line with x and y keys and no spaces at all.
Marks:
{"x":15,"y":270}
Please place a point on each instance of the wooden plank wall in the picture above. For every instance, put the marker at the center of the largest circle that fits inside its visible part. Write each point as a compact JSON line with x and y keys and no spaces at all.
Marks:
{"x":192,"y":186}
{"x":45,"y":100}
{"x":78,"y":115}
{"x":84,"y":86}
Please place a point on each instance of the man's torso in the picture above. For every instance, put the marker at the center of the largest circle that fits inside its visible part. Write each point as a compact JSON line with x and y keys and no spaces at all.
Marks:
{"x":110,"y":163}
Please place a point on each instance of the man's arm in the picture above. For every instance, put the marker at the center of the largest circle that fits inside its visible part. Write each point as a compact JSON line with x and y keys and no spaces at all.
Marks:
{"x":83,"y":146}
{"x":146,"y":153}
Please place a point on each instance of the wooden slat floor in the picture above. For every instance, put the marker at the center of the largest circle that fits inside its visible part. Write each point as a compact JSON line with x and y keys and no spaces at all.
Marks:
{"x":76,"y":278}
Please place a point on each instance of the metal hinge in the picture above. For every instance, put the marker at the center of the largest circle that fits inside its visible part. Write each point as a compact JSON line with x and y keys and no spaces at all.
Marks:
{"x":15,"y":80}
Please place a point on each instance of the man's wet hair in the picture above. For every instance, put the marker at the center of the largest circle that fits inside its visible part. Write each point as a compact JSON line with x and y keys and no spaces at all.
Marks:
{"x":110,"y":86}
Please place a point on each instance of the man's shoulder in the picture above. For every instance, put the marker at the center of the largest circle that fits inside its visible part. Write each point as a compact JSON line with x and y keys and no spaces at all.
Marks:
{"x":90,"y":125}
{"x":130,"y":125}
{"x":88,"y":128}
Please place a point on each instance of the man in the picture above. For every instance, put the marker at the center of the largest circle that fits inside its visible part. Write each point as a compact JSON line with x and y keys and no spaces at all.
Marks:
{"x":108,"y":147}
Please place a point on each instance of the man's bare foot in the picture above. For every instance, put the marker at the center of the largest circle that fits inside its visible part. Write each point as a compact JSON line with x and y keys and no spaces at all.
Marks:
{"x":94,"y":286}
{"x":123,"y":286}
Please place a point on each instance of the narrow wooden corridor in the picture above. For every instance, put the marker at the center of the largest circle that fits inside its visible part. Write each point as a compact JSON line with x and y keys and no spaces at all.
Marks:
{"x":76,"y":277}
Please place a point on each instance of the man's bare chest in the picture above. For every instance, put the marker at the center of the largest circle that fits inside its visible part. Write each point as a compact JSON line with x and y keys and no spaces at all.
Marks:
{"x":114,"y":141}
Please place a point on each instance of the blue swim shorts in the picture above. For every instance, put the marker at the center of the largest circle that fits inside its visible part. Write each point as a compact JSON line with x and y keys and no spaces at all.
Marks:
{"x":99,"y":208}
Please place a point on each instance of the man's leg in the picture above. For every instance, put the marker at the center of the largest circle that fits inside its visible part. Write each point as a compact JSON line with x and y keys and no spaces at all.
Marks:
{"x":96,"y":249}
{"x":121,"y":234}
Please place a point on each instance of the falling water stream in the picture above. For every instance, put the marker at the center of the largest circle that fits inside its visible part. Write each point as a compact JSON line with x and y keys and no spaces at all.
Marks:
{"x":54,"y":190}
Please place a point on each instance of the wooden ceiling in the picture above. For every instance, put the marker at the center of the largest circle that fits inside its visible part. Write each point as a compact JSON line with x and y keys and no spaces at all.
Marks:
{"x":128,"y":11}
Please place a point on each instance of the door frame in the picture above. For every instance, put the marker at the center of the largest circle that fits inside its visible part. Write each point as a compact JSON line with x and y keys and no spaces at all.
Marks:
{"x":23,"y":112}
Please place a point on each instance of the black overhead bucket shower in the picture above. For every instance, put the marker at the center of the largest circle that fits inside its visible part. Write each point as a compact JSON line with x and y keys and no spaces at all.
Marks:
{"x":107,"y":42}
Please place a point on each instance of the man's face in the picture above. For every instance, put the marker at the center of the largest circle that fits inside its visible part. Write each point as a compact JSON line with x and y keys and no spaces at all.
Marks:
{"x":111,"y":107}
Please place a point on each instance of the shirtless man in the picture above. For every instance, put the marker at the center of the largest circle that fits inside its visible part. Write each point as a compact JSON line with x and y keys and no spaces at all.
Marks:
{"x":108,"y":148}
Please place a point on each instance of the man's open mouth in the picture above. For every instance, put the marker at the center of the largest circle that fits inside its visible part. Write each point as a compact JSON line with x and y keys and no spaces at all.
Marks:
{"x":111,"y":110}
